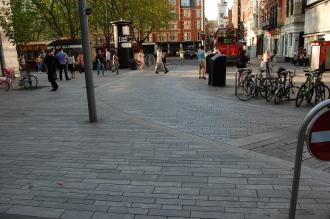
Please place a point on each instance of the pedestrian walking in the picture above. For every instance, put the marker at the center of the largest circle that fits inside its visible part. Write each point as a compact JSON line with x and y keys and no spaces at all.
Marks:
{"x":266,"y":59}
{"x":39,"y":63}
{"x":108,"y":59}
{"x":43,"y":56}
{"x":22,"y":63}
{"x":241,"y":63}
{"x":62,"y":58}
{"x":100,"y":62}
{"x":140,"y":60}
{"x":201,"y":62}
{"x":164,"y":56}
{"x":51,"y":63}
{"x":159,"y":61}
{"x":80,"y":62}
{"x":115,"y":63}
{"x":71,"y":64}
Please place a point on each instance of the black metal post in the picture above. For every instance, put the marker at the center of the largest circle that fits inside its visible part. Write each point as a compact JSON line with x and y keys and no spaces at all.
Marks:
{"x":87,"y":61}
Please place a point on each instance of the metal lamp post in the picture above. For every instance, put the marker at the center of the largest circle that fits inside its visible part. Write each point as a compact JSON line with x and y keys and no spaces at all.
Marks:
{"x":203,"y":22}
{"x":84,"y":11}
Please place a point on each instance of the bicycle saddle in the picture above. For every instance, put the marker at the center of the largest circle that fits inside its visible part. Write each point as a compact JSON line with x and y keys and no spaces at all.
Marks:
{"x":308,"y":75}
{"x":281,"y":69}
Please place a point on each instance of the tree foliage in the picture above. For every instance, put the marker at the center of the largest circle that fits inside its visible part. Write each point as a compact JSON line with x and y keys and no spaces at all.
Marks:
{"x":21,"y":22}
{"x":37,"y":19}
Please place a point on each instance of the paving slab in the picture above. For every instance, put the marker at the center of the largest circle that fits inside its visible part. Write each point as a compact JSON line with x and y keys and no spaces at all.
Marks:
{"x":159,"y":150}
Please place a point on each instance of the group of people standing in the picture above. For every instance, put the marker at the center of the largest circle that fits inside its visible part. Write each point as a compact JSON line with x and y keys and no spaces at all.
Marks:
{"x":106,"y":61}
{"x":63,"y":62}
{"x":300,"y":58}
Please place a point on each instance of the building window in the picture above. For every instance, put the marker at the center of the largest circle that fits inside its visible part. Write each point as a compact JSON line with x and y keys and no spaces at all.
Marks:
{"x":185,"y":3}
{"x":161,"y":37}
{"x":291,"y":39}
{"x":198,"y":2}
{"x":173,"y":37}
{"x":198,"y":13}
{"x":221,"y":15}
{"x":198,"y":25}
{"x":187,"y":25}
{"x":187,"y":36}
{"x":172,"y":2}
{"x":289,"y":7}
{"x":173,"y":26}
{"x":186,"y":13}
{"x":199,"y":36}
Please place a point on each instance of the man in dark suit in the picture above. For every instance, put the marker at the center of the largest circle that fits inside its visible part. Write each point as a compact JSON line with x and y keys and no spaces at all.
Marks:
{"x":51,"y":64}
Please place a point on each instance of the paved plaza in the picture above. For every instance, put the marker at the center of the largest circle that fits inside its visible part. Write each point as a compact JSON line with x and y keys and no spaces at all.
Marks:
{"x":165,"y":146}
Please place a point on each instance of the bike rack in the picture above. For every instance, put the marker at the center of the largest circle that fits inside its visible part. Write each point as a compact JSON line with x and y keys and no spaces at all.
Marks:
{"x":299,"y":151}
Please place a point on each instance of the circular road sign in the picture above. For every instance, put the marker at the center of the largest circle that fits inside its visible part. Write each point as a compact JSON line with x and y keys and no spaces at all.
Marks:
{"x":318,"y":141}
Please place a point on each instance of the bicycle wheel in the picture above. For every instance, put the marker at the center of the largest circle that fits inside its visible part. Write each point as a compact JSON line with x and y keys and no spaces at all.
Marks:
{"x":270,"y":91}
{"x":264,"y":84}
{"x":30,"y":82}
{"x":246,"y":90}
{"x":278,"y":95}
{"x":300,"y":96}
{"x":321,"y":93}
{"x":8,"y":84}
{"x":292,"y":92}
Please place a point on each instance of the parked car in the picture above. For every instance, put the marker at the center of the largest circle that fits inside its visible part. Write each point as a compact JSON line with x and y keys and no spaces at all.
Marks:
{"x":190,"y":54}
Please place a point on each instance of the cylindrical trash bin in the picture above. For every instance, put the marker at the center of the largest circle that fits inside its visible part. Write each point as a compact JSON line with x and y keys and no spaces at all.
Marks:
{"x":218,"y":70}
{"x":207,"y":70}
{"x":132,"y":64}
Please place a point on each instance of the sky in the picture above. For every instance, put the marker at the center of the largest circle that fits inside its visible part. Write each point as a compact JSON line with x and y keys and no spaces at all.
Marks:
{"x":211,"y":8}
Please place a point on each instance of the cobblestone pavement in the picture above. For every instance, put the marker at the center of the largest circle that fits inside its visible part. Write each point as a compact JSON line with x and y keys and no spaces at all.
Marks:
{"x":165,"y":146}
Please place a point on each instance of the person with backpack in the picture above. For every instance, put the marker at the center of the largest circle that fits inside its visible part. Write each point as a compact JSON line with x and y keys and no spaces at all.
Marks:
{"x":100,"y":60}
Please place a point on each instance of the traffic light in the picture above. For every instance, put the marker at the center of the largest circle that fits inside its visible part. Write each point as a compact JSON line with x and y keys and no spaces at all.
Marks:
{"x":202,"y":35}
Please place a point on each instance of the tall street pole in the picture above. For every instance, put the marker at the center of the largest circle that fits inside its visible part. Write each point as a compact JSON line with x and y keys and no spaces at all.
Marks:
{"x":83,"y":11}
{"x":203,"y":23}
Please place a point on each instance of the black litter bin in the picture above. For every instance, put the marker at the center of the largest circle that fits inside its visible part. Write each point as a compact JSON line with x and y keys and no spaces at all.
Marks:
{"x":217,"y":72}
{"x":132,"y":64}
{"x":208,"y":57}
{"x":207,"y":70}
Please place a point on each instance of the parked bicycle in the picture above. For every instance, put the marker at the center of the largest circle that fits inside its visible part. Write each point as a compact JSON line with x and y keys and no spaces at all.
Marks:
{"x":8,"y":80}
{"x":261,"y":82}
{"x":313,"y":90}
{"x":27,"y":80}
{"x":286,"y":87}
{"x":245,"y":86}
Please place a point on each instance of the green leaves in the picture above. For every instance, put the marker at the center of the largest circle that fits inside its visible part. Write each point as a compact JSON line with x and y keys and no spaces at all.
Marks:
{"x":35,"y":20}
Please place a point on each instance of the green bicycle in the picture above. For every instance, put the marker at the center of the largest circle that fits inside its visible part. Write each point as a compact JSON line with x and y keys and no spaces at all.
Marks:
{"x":313,"y":90}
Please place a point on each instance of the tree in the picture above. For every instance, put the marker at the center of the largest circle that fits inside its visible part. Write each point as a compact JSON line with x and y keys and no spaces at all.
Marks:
{"x":149,"y":16}
{"x":61,"y":16}
{"x":20,"y":21}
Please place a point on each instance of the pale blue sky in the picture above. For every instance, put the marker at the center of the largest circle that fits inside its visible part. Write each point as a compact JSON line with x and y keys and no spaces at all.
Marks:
{"x":211,"y":8}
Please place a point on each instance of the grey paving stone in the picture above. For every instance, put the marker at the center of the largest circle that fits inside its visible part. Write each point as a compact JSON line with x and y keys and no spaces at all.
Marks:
{"x":72,"y":206}
{"x":176,"y":190}
{"x":219,"y":215}
{"x":4,"y":207}
{"x":128,"y":210}
{"x":161,"y":212}
{"x":100,"y":215}
{"x":72,"y":214}
{"x":35,"y":211}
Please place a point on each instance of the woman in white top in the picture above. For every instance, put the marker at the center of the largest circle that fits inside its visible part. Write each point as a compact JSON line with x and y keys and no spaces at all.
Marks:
{"x":159,"y":61}
{"x":141,"y":59}
{"x":71,"y":65}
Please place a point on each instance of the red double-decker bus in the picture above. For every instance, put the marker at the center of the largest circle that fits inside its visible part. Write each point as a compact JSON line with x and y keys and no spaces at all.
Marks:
{"x":226,"y":41}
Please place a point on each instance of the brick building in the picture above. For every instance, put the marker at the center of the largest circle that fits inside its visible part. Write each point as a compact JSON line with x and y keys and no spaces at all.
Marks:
{"x":185,"y":30}
{"x":276,"y":25}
